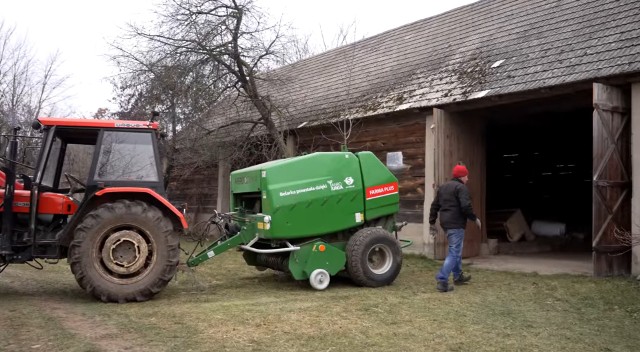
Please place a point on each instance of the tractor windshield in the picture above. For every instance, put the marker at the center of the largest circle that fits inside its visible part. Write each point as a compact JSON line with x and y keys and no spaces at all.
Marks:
{"x":126,"y":156}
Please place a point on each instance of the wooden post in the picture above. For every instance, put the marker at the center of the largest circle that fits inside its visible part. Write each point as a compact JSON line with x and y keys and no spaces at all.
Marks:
{"x":224,"y":188}
{"x":635,"y":176}
{"x":292,"y":146}
{"x":430,"y":168}
{"x":611,"y":179}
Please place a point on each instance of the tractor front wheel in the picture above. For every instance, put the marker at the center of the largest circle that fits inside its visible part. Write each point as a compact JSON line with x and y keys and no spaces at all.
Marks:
{"x":374,"y":257}
{"x":124,"y":251}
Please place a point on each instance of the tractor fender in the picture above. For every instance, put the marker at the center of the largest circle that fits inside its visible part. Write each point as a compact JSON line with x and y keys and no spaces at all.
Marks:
{"x":113,"y":194}
{"x":154,"y":194}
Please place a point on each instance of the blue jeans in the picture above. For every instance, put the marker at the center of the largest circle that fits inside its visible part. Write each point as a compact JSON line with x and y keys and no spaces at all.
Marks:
{"x":453,"y":262}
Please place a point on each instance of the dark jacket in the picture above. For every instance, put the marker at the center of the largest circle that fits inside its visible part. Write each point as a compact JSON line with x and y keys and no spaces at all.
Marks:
{"x":454,"y":204}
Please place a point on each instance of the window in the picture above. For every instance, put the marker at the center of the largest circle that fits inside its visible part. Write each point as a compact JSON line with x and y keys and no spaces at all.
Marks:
{"x":49,"y":176}
{"x":126,"y":156}
{"x":77,"y":162}
{"x":395,"y":162}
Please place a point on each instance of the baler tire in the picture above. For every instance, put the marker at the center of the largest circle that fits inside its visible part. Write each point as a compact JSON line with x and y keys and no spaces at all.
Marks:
{"x":124,"y":251}
{"x":319,"y":279}
{"x":365,"y":246}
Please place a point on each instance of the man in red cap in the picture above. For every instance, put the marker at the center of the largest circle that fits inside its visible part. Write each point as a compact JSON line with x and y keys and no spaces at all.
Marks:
{"x":453,"y":204}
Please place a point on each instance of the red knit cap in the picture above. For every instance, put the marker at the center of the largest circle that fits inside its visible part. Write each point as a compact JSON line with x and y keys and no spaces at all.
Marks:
{"x":460,"y":171}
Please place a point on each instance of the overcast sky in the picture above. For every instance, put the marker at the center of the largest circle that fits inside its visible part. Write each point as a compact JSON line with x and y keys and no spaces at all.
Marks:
{"x":79,"y":29}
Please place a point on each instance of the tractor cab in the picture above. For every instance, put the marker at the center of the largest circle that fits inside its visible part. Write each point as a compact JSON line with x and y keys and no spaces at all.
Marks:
{"x":77,"y":159}
{"x":81,"y":160}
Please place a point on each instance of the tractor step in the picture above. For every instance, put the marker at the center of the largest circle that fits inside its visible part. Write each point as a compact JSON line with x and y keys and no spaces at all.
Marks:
{"x":51,"y":241}
{"x":46,"y":248}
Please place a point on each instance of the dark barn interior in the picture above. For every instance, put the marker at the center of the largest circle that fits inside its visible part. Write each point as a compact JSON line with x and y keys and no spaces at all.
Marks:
{"x":540,"y":162}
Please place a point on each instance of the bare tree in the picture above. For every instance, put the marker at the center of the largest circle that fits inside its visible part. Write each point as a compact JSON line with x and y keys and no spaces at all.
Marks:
{"x":346,"y":35}
{"x":178,"y":87}
{"x":28,"y":87}
{"x":231,"y":42}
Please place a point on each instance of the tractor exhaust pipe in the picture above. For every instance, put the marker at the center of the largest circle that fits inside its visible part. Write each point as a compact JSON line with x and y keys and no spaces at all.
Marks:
{"x":9,"y":190}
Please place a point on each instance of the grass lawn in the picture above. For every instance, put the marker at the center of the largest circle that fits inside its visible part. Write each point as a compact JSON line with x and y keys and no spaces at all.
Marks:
{"x":228,"y":306}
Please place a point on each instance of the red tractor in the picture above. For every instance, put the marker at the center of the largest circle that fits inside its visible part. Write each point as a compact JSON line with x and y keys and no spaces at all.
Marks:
{"x":96,"y":197}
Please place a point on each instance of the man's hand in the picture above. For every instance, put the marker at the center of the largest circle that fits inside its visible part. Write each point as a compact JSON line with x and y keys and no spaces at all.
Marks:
{"x":433,"y":230}
{"x":478,"y":223}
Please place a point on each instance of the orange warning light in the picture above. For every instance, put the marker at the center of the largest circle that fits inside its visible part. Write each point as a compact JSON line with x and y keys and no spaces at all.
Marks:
{"x":322,"y":247}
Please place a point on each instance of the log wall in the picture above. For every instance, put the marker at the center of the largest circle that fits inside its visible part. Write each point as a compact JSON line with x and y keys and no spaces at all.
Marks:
{"x":198,"y":188}
{"x":404,"y":132}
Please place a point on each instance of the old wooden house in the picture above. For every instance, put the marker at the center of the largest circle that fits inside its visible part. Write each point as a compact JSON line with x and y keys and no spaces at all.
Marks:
{"x":540,"y":99}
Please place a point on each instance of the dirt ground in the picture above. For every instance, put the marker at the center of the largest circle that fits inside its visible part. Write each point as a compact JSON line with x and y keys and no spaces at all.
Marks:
{"x":66,"y":314}
{"x":541,"y":263}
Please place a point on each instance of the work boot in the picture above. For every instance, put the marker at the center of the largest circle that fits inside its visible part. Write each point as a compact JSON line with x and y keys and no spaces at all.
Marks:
{"x":443,"y":286}
{"x":462,"y":279}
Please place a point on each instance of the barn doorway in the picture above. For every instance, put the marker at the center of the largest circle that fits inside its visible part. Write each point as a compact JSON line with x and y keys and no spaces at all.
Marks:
{"x":539,"y":176}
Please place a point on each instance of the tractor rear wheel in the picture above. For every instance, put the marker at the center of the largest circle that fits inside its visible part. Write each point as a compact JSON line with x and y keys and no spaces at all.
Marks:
{"x":124,"y":251}
{"x":374,"y":257}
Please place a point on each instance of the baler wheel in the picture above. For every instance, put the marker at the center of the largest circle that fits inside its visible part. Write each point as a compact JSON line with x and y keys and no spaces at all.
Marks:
{"x":124,"y":251}
{"x":374,"y":257}
{"x":319,"y":279}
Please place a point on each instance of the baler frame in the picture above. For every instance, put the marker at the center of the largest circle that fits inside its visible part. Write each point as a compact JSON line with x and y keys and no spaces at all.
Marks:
{"x":318,"y":256}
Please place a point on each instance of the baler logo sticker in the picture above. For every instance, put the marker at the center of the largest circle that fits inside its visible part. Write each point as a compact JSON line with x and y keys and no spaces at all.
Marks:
{"x":349,"y":181}
{"x":382,"y":190}
{"x":128,"y":124}
{"x":335,"y":186}
{"x":243,"y":180}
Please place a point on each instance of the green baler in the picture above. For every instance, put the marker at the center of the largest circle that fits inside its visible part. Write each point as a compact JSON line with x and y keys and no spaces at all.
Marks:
{"x":315,"y":216}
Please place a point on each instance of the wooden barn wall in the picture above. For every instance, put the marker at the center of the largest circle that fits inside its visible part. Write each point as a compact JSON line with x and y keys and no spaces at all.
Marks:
{"x":198,"y":188}
{"x":460,"y":137}
{"x":402,"y":132}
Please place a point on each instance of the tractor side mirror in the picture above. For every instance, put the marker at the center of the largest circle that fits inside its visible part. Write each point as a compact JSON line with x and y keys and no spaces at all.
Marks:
{"x":36,"y":125}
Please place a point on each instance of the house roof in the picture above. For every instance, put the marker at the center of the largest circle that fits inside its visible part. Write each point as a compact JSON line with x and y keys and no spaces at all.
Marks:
{"x":488,"y":48}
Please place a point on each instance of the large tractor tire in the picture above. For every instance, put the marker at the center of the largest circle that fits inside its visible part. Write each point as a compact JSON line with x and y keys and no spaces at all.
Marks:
{"x":374,"y":257}
{"x":124,"y":251}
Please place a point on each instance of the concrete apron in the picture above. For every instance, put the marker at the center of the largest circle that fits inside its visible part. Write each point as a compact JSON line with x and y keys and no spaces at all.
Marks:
{"x":541,"y":263}
{"x":546,"y":263}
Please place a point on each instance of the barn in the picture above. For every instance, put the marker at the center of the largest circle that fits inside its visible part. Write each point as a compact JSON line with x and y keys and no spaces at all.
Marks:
{"x":540,"y":99}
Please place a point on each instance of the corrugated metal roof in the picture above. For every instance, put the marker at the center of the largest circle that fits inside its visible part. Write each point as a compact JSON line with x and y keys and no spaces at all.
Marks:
{"x":454,"y":57}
